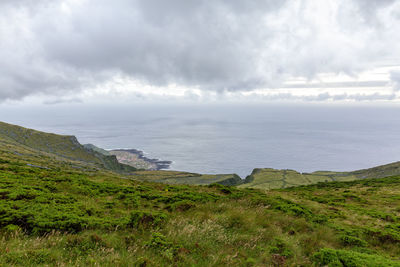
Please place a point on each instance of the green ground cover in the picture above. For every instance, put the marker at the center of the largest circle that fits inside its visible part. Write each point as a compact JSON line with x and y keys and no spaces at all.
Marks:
{"x":56,"y":211}
{"x":71,"y":217}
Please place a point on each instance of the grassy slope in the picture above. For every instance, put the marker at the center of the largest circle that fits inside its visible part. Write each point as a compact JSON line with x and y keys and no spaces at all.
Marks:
{"x":63,"y":147}
{"x":70,"y":213}
{"x":177,"y":177}
{"x":60,"y":145}
{"x":97,"y":149}
{"x":68,"y":216}
{"x":273,"y":179}
{"x":29,"y":146}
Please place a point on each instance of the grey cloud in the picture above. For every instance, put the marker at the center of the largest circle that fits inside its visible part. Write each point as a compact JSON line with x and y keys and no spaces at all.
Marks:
{"x":337,"y":84}
{"x":325,"y":96}
{"x":365,"y":97}
{"x":63,"y":101}
{"x":369,"y":8}
{"x":395,"y":77}
{"x":54,"y":48}
{"x":213,"y":44}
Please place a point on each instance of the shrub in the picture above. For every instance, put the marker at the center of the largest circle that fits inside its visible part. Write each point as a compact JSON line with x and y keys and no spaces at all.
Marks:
{"x":293,"y":209}
{"x":327,"y":257}
{"x":388,"y":235}
{"x":158,"y":241}
{"x":183,"y":205}
{"x":236,"y":221}
{"x":349,"y":240}
{"x":84,"y":244}
{"x":65,"y":222}
{"x":222,"y":188}
{"x":280,"y":247}
{"x":11,"y":228}
{"x":131,"y":200}
{"x":146,"y":219}
{"x":331,"y":257}
{"x":319,"y":218}
{"x":30,"y":258}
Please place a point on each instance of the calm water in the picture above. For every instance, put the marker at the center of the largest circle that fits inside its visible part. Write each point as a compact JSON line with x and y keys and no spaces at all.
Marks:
{"x":231,"y":139}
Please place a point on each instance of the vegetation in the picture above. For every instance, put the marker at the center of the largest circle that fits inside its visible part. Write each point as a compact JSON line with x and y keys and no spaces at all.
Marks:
{"x":273,"y":179}
{"x":41,"y":149}
{"x":63,"y":147}
{"x":60,"y":212}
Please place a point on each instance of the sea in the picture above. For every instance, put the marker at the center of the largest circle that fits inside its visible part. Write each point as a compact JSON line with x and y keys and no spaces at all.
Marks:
{"x":230,"y":138}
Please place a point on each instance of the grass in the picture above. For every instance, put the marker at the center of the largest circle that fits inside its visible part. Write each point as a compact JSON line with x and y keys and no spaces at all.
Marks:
{"x":273,"y":179}
{"x":70,"y":217}
{"x":62,"y":212}
{"x":176,"y":177}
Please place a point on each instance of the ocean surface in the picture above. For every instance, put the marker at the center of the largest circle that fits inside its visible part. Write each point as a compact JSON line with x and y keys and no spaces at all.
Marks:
{"x":230,"y":138}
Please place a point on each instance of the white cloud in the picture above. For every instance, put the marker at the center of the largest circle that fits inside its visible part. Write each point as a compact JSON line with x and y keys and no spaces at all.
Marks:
{"x":185,"y":48}
{"x":395,"y":77}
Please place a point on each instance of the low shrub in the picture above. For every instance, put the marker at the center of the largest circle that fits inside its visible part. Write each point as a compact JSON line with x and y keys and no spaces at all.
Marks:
{"x":236,"y":221}
{"x":181,"y":206}
{"x":280,"y":247}
{"x":335,"y":258}
{"x":349,"y":240}
{"x":144,"y":219}
{"x":166,"y":248}
{"x":387,"y":235}
{"x":158,"y":241}
{"x":30,"y":258}
{"x":82,"y":245}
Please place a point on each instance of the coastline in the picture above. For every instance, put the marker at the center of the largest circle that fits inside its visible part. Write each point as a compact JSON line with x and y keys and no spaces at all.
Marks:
{"x":136,"y":158}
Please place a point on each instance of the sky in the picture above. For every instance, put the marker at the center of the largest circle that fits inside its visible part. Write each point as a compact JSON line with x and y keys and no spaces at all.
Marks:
{"x":123,"y":51}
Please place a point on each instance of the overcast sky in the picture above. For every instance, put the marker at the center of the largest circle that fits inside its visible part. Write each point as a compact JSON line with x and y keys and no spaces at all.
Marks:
{"x":55,"y":51}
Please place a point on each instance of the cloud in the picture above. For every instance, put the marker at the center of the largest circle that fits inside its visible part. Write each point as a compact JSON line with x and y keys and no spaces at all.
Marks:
{"x":62,"y":101}
{"x":61,"y":47}
{"x":370,"y":8}
{"x":323,"y":97}
{"x":350,"y":84}
{"x":395,"y":78}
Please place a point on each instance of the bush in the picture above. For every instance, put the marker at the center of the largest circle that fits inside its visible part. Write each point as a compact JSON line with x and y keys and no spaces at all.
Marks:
{"x":183,"y":205}
{"x":335,"y":258}
{"x":30,"y":258}
{"x":145,"y":219}
{"x":236,"y":221}
{"x":388,"y":235}
{"x":319,"y":218}
{"x":84,"y":244}
{"x":293,"y":209}
{"x":349,"y":240}
{"x":11,"y":228}
{"x":158,"y":241}
{"x":280,"y":247}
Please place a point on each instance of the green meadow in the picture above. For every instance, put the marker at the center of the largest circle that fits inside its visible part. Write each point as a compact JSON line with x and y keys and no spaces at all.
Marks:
{"x":62,"y":205}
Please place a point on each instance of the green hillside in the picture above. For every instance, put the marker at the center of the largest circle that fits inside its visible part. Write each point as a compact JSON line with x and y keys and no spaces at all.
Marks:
{"x":97,"y":149}
{"x":176,"y":177}
{"x":59,"y":146}
{"x":274,"y":179}
{"x":58,"y":211}
{"x":45,"y":149}
{"x":75,"y":217}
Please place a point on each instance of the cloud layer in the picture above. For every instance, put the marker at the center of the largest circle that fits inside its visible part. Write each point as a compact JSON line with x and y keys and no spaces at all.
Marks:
{"x":59,"y":47}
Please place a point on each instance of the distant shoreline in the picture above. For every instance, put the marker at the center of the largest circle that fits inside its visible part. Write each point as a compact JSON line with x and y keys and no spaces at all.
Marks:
{"x":156,"y":164}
